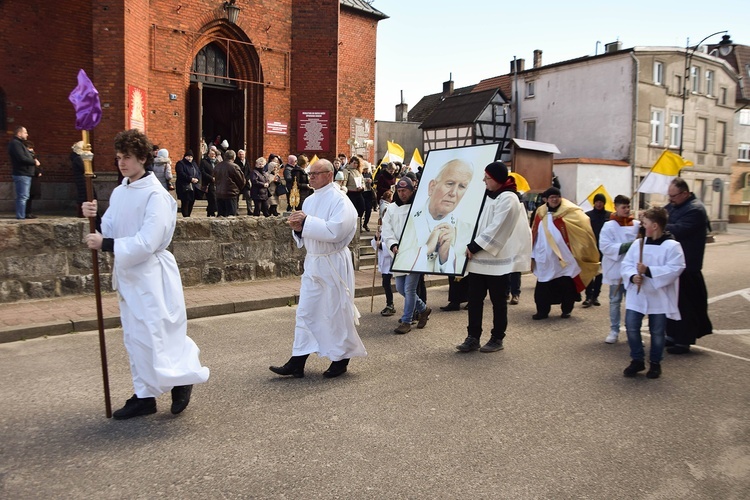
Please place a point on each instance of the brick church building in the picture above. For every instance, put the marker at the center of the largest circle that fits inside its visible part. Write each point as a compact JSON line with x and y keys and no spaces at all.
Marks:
{"x":269,"y":76}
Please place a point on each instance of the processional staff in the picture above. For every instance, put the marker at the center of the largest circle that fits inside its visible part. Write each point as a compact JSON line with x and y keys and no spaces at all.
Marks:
{"x":85,"y":100}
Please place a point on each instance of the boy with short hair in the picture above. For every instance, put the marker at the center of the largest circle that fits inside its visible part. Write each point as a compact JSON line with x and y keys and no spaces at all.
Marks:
{"x":614,"y":241}
{"x":651,"y":271}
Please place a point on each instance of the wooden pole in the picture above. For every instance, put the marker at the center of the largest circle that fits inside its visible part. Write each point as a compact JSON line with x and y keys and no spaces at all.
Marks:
{"x":87,"y":156}
{"x":640,"y":260}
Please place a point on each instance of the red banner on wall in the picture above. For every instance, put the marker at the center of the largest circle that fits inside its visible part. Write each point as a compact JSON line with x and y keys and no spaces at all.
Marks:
{"x":136,"y":108}
{"x":313,"y":131}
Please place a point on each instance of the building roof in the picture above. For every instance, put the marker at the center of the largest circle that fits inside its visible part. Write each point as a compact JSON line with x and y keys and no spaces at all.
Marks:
{"x":591,"y":161}
{"x":363,"y":6}
{"x":739,"y":60}
{"x":536,"y":146}
{"x":428,"y":103}
{"x":502,"y":82}
{"x":459,"y":109}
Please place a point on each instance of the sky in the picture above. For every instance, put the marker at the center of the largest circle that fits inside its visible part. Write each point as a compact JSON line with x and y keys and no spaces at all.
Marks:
{"x":423,"y":42}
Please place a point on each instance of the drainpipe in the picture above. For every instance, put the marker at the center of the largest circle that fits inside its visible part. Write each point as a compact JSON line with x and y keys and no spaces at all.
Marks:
{"x":515,"y":97}
{"x":633,"y":138}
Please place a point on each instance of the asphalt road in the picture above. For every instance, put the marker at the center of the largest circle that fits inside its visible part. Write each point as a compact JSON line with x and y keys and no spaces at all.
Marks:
{"x":551,"y":416}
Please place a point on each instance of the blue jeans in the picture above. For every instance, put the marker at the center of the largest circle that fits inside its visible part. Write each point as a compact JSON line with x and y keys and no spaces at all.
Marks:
{"x":616,"y":294}
{"x":657,"y":326}
{"x":407,"y":286}
{"x":23,"y":187}
{"x":514,"y":284}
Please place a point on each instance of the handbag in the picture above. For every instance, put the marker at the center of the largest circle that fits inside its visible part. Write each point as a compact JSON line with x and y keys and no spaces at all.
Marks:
{"x":281,"y":189}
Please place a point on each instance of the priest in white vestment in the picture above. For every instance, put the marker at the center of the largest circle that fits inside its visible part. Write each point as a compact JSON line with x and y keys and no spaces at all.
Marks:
{"x":326,"y":315}
{"x":138,"y":227}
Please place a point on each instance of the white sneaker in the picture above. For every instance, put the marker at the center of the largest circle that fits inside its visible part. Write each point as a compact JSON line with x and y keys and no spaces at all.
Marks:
{"x":612,"y":337}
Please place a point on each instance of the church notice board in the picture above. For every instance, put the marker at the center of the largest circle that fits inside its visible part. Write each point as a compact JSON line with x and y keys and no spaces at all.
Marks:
{"x":443,"y":217}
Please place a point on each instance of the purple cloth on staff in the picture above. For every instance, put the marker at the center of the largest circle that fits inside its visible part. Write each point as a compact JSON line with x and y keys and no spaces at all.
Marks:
{"x":85,"y":99}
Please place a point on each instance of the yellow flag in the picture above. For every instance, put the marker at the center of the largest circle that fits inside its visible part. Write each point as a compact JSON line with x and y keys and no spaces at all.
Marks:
{"x":395,"y":152}
{"x":609,"y":205}
{"x":313,"y":160}
{"x":522,"y":185}
{"x":670,"y":164}
{"x":416,"y":161}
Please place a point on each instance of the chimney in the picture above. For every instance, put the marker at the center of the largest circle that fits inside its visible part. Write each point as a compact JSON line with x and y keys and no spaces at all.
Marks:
{"x":612,"y":47}
{"x":537,"y":58}
{"x":520,"y":63}
{"x":402,"y":110}
{"x":448,"y":86}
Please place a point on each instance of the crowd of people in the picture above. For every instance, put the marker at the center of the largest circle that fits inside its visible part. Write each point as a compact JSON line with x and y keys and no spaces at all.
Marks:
{"x":654,"y":262}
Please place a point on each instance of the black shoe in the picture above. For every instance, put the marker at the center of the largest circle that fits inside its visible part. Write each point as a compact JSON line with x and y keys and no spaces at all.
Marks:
{"x":180,"y":398}
{"x":678,"y":349}
{"x":565,"y":315}
{"x":540,"y":316}
{"x":452,"y":306}
{"x":492,"y":345}
{"x":367,"y":229}
{"x":654,"y":370}
{"x":586,"y":303}
{"x":337,"y":368}
{"x":135,"y":407}
{"x":30,"y":216}
{"x":633,"y":368}
{"x":595,"y":302}
{"x":294,"y":367}
{"x":468,"y":345}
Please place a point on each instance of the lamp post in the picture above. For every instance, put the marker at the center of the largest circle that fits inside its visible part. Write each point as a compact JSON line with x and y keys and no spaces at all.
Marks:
{"x":232,"y":11}
{"x":725,"y":42}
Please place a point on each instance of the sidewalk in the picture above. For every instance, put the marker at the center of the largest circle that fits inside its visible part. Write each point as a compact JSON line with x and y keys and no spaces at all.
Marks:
{"x":38,"y":318}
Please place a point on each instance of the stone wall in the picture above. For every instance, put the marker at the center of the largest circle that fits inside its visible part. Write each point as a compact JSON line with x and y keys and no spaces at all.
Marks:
{"x":46,"y":258}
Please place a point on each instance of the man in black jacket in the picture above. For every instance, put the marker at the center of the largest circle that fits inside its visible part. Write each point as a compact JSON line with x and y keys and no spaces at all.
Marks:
{"x":24,"y":164}
{"x":598,"y":217}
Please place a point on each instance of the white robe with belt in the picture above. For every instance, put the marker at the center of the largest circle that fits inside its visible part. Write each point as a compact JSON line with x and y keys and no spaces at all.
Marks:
{"x":547,"y":266}
{"x":326,"y":314}
{"x":141,"y":218}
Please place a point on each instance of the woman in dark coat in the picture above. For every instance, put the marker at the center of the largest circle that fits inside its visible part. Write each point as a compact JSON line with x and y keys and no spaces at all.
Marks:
{"x":208,"y":185}
{"x":259,"y":188}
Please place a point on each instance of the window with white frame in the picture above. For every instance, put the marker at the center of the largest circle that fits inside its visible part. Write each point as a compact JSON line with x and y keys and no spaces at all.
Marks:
{"x":530,"y":89}
{"x":529,"y":131}
{"x":695,"y":79}
{"x":657,"y":127}
{"x":658,"y":73}
{"x":675,"y":130}
{"x":709,"y":82}
{"x":745,"y":117}
{"x":743,"y":152}
{"x":721,"y":137}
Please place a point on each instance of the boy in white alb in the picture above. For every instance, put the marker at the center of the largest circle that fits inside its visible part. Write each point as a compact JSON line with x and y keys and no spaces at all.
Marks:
{"x":651,"y":271}
{"x":614,"y":241}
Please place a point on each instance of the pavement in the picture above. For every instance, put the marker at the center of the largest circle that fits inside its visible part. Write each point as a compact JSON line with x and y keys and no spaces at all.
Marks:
{"x":61,"y":315}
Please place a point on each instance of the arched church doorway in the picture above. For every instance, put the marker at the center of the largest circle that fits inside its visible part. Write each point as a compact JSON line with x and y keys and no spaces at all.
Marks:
{"x":225,"y":100}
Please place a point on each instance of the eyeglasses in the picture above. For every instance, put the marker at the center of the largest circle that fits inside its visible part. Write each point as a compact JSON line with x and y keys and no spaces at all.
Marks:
{"x":314,"y":174}
{"x":676,"y":194}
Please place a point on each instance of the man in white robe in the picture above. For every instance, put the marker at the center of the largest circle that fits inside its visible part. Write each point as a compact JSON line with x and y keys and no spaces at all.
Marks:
{"x":138,"y":226}
{"x":326,"y":314}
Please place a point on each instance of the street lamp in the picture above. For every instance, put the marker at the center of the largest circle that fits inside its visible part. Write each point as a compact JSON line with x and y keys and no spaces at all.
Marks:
{"x":725,"y":47}
{"x":232,"y":11}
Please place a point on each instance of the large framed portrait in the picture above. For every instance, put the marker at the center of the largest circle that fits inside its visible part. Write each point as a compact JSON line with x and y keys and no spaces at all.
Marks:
{"x":445,"y":211}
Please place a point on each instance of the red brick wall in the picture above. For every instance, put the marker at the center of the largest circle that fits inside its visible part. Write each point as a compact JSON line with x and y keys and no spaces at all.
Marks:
{"x":43,"y":45}
{"x":358,"y":36}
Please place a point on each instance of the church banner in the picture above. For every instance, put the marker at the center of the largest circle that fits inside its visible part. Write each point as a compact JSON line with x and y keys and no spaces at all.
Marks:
{"x":313,"y":131}
{"x":445,"y":211}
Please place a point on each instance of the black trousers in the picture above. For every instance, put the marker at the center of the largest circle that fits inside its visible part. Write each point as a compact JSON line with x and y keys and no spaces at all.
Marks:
{"x":594,"y":288}
{"x":388,"y":289}
{"x":367,"y":200}
{"x":227,"y":206}
{"x":211,"y":207}
{"x":261,"y":206}
{"x":358,"y":201}
{"x":479,"y":285}
{"x":187,"y":200}
{"x":458,"y":290}
{"x":558,"y":291}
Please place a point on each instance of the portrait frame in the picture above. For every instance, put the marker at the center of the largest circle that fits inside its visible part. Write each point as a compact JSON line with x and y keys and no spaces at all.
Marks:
{"x":413,"y":256}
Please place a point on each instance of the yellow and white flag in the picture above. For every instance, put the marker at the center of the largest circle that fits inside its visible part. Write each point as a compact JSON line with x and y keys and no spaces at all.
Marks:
{"x":588,"y":203}
{"x":666,"y":168}
{"x":395,"y":152}
{"x":416,"y":161}
{"x":522,"y":185}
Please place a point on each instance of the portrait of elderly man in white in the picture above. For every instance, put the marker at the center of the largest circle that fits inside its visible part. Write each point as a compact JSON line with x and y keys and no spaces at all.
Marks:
{"x":437,"y":227}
